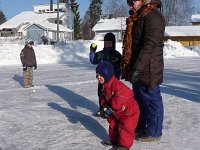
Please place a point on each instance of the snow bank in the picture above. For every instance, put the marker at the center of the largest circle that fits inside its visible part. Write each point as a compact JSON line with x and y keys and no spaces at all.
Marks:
{"x":77,"y":51}
{"x":174,"y":49}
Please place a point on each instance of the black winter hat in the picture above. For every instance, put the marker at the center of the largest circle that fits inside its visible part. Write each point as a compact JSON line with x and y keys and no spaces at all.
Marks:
{"x":110,"y":37}
{"x":106,"y":70}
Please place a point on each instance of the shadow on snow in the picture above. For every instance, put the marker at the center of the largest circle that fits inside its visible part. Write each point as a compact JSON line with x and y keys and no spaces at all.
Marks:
{"x":73,"y":99}
{"x":18,"y":78}
{"x":87,"y":121}
{"x":182,"y":84}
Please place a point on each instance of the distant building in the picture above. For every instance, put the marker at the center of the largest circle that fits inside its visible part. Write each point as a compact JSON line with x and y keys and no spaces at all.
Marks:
{"x":40,"y":22}
{"x":36,"y":31}
{"x":46,"y":8}
{"x":195,"y":20}
{"x":186,"y":35}
{"x":115,"y":25}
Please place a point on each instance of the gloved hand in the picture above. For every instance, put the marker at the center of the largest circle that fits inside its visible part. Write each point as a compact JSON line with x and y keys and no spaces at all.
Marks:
{"x":105,"y":114}
{"x":102,"y":111}
{"x":93,"y":47}
{"x":24,"y":68}
{"x":110,"y":111}
{"x":35,"y":66}
{"x":135,"y":76}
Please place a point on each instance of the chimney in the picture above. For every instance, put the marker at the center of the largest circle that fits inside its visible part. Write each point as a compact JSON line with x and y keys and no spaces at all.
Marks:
{"x":110,"y":16}
{"x":51,"y":5}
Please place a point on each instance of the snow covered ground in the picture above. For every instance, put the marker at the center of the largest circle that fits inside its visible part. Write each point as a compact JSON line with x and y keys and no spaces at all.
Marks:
{"x":57,"y":113}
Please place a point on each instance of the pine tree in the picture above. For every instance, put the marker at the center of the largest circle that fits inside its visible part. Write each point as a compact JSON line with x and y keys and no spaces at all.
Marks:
{"x":116,"y":8}
{"x":95,"y":12}
{"x":77,"y":21}
{"x":2,"y":17}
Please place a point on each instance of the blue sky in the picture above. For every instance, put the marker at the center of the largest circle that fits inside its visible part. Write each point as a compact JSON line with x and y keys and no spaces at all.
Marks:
{"x":13,"y":7}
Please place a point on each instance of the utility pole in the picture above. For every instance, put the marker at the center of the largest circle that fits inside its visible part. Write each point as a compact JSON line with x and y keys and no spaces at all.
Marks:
{"x":58,"y":20}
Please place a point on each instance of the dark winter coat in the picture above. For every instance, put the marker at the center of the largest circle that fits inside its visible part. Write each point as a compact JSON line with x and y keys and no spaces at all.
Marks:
{"x":110,"y":55}
{"x":27,"y":57}
{"x":147,"y":45}
{"x":123,"y":121}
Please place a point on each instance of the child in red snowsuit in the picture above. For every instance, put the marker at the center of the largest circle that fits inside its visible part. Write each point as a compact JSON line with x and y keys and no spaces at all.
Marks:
{"x":121,"y":108}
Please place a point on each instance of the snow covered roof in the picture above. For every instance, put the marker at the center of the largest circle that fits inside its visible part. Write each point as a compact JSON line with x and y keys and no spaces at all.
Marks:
{"x":27,"y":17}
{"x":110,"y":24}
{"x":50,"y":26}
{"x":182,"y":31}
{"x":195,"y":18}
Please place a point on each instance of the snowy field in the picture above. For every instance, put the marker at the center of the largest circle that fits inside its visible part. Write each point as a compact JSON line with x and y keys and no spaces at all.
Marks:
{"x":57,"y":114}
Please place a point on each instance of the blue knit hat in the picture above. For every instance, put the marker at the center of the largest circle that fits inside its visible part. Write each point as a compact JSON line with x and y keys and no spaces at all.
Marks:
{"x":106,"y":70}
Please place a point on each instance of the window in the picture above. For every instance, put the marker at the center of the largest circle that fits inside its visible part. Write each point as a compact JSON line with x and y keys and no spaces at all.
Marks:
{"x":60,"y":21}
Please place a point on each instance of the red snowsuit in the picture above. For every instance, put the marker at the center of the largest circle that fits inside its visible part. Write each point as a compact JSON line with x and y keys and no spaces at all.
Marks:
{"x":123,"y":121}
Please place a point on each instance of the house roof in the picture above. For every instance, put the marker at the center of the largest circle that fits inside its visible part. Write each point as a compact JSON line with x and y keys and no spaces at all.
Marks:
{"x":50,"y":26}
{"x":27,"y":17}
{"x":195,"y":18}
{"x":110,"y":24}
{"x":182,"y":31}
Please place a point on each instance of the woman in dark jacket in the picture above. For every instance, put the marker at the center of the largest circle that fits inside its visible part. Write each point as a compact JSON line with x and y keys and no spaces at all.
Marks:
{"x":28,"y":60}
{"x":143,"y":64}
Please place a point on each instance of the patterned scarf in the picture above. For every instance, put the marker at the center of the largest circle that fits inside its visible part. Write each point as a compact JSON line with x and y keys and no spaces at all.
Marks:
{"x":127,"y":42}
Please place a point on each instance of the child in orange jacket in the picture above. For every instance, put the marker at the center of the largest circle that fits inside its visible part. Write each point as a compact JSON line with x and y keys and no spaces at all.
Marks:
{"x":121,"y":109}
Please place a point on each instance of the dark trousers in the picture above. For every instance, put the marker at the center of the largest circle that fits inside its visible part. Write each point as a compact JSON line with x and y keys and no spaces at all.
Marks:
{"x":100,"y":88}
{"x":151,"y":110}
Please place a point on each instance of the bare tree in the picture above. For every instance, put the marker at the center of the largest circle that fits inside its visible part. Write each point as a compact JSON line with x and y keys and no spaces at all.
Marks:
{"x":177,"y":12}
{"x":116,"y":8}
{"x":86,"y":30}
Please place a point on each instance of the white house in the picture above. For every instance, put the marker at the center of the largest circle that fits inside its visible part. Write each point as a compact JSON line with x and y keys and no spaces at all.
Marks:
{"x":36,"y":30}
{"x":114,"y":25}
{"x":45,"y":8}
{"x":40,"y":22}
